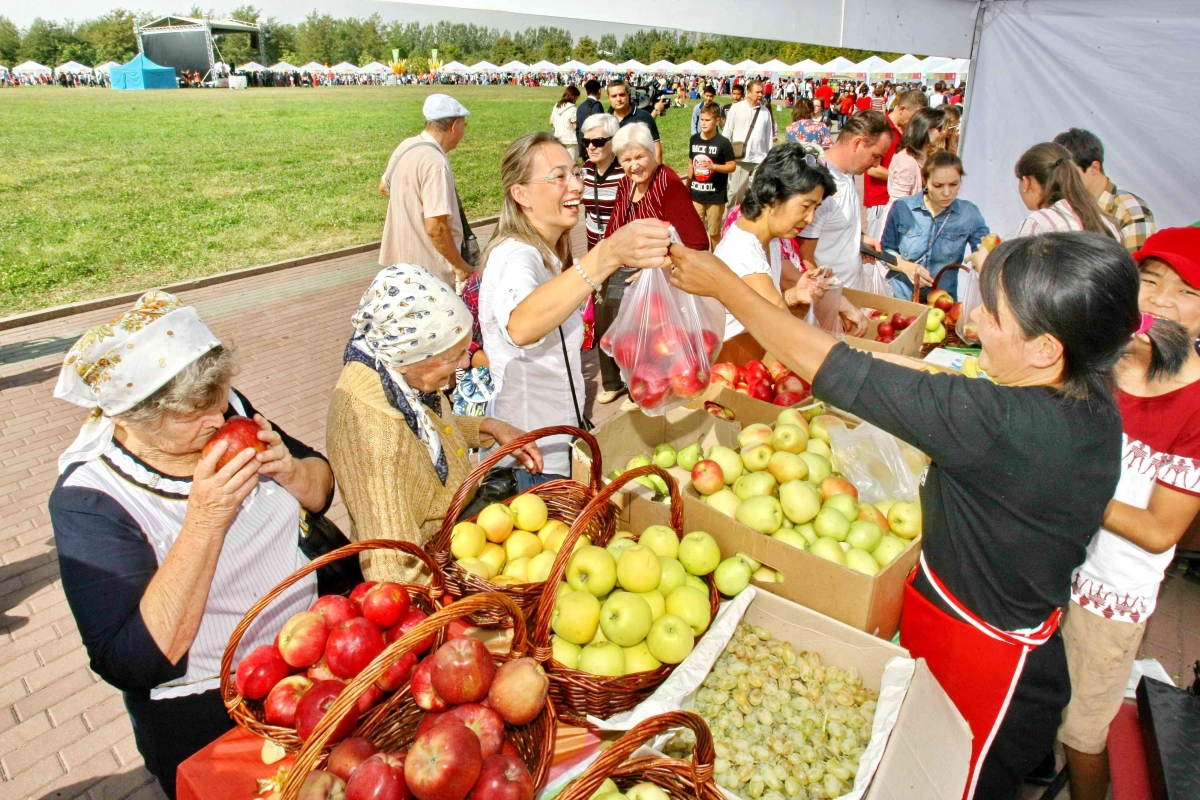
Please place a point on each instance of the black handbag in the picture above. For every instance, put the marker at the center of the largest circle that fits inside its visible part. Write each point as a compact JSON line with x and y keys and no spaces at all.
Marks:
{"x":318,"y":537}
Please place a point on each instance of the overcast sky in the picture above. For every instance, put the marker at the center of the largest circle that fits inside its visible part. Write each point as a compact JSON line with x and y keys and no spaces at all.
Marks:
{"x":22,"y":12}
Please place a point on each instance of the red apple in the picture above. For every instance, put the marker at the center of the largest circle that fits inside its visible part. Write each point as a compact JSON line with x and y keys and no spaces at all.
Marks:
{"x":352,"y":645}
{"x":648,"y":385}
{"x":710,"y":344}
{"x":518,"y":691}
{"x":509,"y":749}
{"x":462,"y":670}
{"x":502,"y":778}
{"x":940,"y":298}
{"x":761,"y":390}
{"x":791,"y":382}
{"x":606,"y":342}
{"x":707,"y":476}
{"x":910,"y":320}
{"x":777,"y":369}
{"x":335,"y":609}
{"x":485,"y":723}
{"x":885,"y":339}
{"x":443,"y":763}
{"x":239,"y":433}
{"x":726,"y":372}
{"x":899,"y":321}
{"x":380,"y":777}
{"x":422,"y":688}
{"x":886,"y":329}
{"x":368,"y":699}
{"x":757,"y":370}
{"x":385,"y":604}
{"x":667,"y":342}
{"x":412,"y":618}
{"x":313,"y":705}
{"x":743,"y":388}
{"x":258,"y":672}
{"x":654,"y":310}
{"x":835,"y":485}
{"x":359,"y":592}
{"x":320,"y":672}
{"x":625,"y":349}
{"x":322,"y":785}
{"x":428,"y":720}
{"x":280,"y":706}
{"x":399,"y":674}
{"x":688,"y":378}
{"x":302,"y":639}
{"x":345,"y":757}
{"x":788,"y":398}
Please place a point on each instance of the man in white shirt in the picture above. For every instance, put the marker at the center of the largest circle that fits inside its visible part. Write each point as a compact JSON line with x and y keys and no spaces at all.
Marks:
{"x":753,"y":125}
{"x":833,"y":239}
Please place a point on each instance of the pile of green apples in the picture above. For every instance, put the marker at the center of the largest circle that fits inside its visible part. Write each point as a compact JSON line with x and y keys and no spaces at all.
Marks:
{"x":636,"y":604}
{"x":781,"y":483}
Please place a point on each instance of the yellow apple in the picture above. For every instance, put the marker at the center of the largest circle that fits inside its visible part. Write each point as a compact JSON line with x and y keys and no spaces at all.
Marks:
{"x":699,"y":553}
{"x":476,"y":567}
{"x":670,"y":639}
{"x":690,"y":605}
{"x":496,"y":521}
{"x":820,"y":448}
{"x":521,"y":544}
{"x":673,"y":575}
{"x":639,"y":659}
{"x":529,"y":511}
{"x":789,"y":439}
{"x":658,"y":605}
{"x":552,"y":534}
{"x":904,"y":518}
{"x":618,"y":546}
{"x":625,"y":618}
{"x":602,"y":658}
{"x":467,"y":540}
{"x":576,"y":617}
{"x":493,"y":556}
{"x":564,"y":652}
{"x":540,"y":566}
{"x":592,"y":570}
{"x":646,"y":791}
{"x":638,"y":569}
{"x":732,"y":575}
{"x":792,"y":416}
{"x":661,"y":539}
{"x":517,"y":568}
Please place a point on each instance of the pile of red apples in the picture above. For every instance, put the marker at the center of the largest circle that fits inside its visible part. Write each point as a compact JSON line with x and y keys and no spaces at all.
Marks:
{"x":774,"y":384}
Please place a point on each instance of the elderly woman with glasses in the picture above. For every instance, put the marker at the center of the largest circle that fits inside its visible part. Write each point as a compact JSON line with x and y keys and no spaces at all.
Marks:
{"x":398,"y":451}
{"x":162,"y":547}
{"x":532,"y":289}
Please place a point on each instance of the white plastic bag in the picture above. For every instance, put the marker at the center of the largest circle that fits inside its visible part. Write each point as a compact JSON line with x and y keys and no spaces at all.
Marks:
{"x":874,"y":279}
{"x":971,"y":298}
{"x":874,"y":462}
{"x":826,"y":308}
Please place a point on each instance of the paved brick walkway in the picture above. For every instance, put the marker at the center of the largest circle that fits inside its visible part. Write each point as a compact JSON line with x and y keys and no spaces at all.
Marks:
{"x":63,"y":732}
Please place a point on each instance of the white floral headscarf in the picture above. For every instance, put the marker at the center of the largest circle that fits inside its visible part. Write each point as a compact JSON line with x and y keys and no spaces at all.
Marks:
{"x":115,"y":366}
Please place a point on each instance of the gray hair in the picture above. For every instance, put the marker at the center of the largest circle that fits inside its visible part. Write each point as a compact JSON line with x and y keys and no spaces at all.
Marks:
{"x":635,"y":135}
{"x":607,"y":122}
{"x":200,"y":385}
{"x":444,"y":124}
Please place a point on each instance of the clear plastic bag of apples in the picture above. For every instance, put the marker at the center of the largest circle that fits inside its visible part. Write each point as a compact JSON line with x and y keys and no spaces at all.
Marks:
{"x":665,"y":341}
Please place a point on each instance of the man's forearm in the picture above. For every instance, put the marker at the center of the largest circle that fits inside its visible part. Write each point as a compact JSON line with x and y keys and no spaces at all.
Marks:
{"x":439,"y":232}
{"x":878,"y":172}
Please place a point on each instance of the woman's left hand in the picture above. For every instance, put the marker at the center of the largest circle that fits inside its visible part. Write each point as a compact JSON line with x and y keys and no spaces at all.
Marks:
{"x":529,"y":456}
{"x":276,"y":461}
{"x":854,"y":322}
{"x":698,"y":271}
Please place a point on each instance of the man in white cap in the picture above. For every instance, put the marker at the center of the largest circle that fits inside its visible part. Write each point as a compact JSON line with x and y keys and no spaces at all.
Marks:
{"x":424,"y":223}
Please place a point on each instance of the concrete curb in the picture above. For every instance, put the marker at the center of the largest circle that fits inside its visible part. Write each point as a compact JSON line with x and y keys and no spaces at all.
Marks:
{"x":83,"y":306}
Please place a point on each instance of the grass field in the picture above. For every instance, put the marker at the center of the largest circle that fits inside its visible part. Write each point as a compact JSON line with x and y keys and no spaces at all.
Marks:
{"x":103,"y":191}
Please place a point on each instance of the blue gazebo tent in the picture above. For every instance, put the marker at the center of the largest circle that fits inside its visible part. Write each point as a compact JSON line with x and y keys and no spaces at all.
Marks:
{"x":142,"y":73}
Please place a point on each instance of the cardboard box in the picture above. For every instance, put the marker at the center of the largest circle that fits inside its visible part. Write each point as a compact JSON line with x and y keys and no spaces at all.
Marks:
{"x":908,"y":343}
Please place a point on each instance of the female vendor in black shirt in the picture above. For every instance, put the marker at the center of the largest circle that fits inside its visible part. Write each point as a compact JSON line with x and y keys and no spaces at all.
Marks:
{"x":1021,"y":472}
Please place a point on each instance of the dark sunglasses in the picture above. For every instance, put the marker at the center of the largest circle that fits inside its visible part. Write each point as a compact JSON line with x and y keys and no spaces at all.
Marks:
{"x":597,"y":143}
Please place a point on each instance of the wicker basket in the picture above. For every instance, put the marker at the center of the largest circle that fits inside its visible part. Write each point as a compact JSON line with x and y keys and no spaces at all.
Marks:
{"x":249,"y":713}
{"x":564,"y":500}
{"x":396,"y":728}
{"x":576,"y":693}
{"x":952,"y":338}
{"x":685,"y":780}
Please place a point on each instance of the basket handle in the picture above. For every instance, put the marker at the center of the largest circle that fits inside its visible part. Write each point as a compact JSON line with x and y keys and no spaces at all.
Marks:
{"x":700,"y":766}
{"x":541,"y":625}
{"x":310,"y":753}
{"x":441,"y":542}
{"x":937,"y":279}
{"x":437,"y":590}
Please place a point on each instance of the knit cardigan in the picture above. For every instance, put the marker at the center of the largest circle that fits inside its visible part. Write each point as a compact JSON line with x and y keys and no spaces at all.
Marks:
{"x":384,"y":473}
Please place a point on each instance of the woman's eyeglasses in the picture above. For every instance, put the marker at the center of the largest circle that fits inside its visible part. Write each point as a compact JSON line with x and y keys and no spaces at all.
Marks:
{"x":597,"y":143}
{"x":561,"y":177}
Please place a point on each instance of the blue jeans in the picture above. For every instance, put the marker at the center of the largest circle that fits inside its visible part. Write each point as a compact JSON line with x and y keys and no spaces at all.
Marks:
{"x":526,"y":480}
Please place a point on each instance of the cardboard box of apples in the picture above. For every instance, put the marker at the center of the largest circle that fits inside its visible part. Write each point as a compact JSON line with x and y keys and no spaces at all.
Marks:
{"x":894,"y":326}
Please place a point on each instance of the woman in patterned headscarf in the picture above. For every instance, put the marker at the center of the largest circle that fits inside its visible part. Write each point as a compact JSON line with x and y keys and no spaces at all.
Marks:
{"x":398,"y":451}
{"x":161,"y":552}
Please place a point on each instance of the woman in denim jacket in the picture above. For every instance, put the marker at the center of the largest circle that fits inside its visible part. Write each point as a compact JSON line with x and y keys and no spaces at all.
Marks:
{"x":930,"y":230}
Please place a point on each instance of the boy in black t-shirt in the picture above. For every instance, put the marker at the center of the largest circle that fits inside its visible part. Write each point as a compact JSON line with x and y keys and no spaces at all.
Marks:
{"x":711,"y":161}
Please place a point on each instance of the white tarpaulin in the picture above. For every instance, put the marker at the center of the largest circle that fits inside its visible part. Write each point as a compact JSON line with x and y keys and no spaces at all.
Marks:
{"x":1045,"y":65}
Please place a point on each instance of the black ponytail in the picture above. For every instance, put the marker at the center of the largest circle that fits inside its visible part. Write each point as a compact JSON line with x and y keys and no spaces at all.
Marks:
{"x":1170,"y":349}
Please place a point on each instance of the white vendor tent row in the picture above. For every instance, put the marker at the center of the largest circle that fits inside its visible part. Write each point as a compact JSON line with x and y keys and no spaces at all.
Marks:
{"x":375,"y":67}
{"x":688,"y":67}
{"x":483,"y":66}
{"x":72,"y":68}
{"x":572,"y":66}
{"x":31,"y":68}
{"x":514,"y":66}
{"x":774,"y":67}
{"x":283,"y":66}
{"x":345,"y":68}
{"x":872,"y":69}
{"x":660,"y":66}
{"x":804,"y":68}
{"x":543,"y":66}
{"x":313,"y":66}
{"x":718,"y":67}
{"x":454,"y":66}
{"x":252,"y":66}
{"x":632,"y":65}
{"x":602,"y":66}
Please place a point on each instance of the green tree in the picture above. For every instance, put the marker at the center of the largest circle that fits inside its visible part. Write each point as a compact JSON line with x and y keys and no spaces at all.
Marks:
{"x":278,"y":39}
{"x":585,"y":50}
{"x":316,"y":39}
{"x":111,"y":36}
{"x":503,"y":50}
{"x":704,"y":52}
{"x":417,"y":64}
{"x":10,"y":42}
{"x":235,"y":48}
{"x":660,"y":50}
{"x":608,"y":45}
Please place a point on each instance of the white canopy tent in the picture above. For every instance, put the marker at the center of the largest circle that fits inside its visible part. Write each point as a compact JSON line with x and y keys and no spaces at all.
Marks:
{"x":805,"y":68}
{"x":719,"y":67}
{"x":931,"y":65}
{"x":774,"y":67}
{"x":689,"y":67}
{"x":661,"y":66}
{"x":345,"y":68}
{"x":483,"y":66}
{"x":105,"y":67}
{"x":954,"y":71}
{"x":543,"y":66}
{"x":514,"y":66}
{"x":375,"y":67}
{"x":838,"y":66}
{"x":632,"y":65}
{"x":906,"y":68}
{"x":454,"y":66}
{"x":872,"y":69}
{"x":252,"y":66}
{"x":572,"y":66}
{"x":31,"y":68}
{"x":72,"y":68}
{"x":748,"y":66}
{"x":313,"y":66}
{"x":602,"y":66}
{"x":283,"y":66}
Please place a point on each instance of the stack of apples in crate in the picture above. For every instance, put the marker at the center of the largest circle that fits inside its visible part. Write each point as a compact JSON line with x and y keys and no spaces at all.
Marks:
{"x":510,"y":544}
{"x":771,"y":384}
{"x":889,"y":327}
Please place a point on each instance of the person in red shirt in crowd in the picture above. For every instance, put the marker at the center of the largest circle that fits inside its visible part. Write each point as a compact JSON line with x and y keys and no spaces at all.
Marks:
{"x":845,"y":108}
{"x":875,"y":191}
{"x":824,"y":93}
{"x":864,"y":100}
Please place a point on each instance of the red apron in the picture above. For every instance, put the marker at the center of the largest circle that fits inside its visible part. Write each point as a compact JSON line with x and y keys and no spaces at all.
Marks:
{"x":977,"y":664}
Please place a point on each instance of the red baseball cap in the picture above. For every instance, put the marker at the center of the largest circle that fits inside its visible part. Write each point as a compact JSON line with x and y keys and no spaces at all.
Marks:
{"x":1179,"y":247}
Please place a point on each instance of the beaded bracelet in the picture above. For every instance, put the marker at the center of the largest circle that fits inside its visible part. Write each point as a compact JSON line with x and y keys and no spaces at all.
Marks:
{"x":584,"y":275}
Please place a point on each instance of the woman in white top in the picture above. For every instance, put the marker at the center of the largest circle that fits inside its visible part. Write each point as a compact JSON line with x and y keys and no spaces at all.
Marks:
{"x":530,"y":295}
{"x":562,"y":121}
{"x":1052,"y":188}
{"x":786,"y":191}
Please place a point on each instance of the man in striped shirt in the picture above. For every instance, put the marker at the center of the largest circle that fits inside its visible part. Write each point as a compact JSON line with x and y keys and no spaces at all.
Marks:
{"x":601,"y":174}
{"x":1134,"y":218}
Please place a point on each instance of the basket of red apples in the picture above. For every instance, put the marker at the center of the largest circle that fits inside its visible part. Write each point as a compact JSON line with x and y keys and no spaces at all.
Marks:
{"x":280,"y":690}
{"x":774,"y":384}
{"x":469,"y":723}
{"x":492,"y":562}
{"x":604,"y":599}
{"x":647,"y":777}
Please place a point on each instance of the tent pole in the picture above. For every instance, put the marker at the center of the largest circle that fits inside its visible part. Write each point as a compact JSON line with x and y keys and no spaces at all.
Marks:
{"x":967,"y":101}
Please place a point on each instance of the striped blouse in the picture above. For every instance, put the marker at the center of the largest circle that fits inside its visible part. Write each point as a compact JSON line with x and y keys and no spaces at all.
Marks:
{"x":599,"y":194}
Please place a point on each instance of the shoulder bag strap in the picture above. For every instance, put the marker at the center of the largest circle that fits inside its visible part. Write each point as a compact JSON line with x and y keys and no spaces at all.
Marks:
{"x":745,"y":141}
{"x":396,"y":163}
{"x":583,"y":423}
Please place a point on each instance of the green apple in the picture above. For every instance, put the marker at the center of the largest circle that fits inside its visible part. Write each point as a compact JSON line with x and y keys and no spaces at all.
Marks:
{"x":540,"y":566}
{"x":819,"y":467}
{"x":639,"y":659}
{"x":603,"y":658}
{"x":593,"y":570}
{"x":618,"y":546}
{"x":724,"y":501}
{"x":763,"y":514}
{"x":752,"y":435}
{"x":560,"y":590}
{"x":609,"y":796}
{"x":790,"y":537}
{"x":765,"y":575}
{"x":787,"y":523}
{"x":754,"y":484}
{"x":625,"y":618}
{"x":818,"y":447}
{"x":732,"y":575}
{"x":935,"y":318}
{"x":638,"y":461}
{"x":844,"y":503}
{"x":786,"y":467}
{"x":646,"y":791}
{"x":670,"y":639}
{"x":864,"y":535}
{"x":576,"y":617}
{"x":832,"y":523}
{"x":673,"y":575}
{"x":818,"y":427}
{"x":888,"y":548}
{"x":599,"y":637}
{"x":904,"y":518}
{"x":699,"y":583}
{"x":476,"y":567}
{"x":861,"y":561}
{"x":828,"y":549}
{"x":467,"y":540}
{"x":699,"y":553}
{"x":812,"y":412}
{"x":608,"y":786}
{"x":661,"y":539}
{"x":756,"y":457}
{"x":564,"y":652}
{"x":884,"y":506}
{"x":658,"y":604}
{"x":690,"y":605}
{"x":624,"y":535}
{"x":792,"y":416}
{"x":688,"y":456}
{"x":665,"y":456}
{"x":806,"y":530}
{"x":729,"y":462}
{"x":638,"y":569}
{"x":789,"y":439}
{"x":750,"y":560}
{"x":799,"y":500}
{"x":517,"y":568}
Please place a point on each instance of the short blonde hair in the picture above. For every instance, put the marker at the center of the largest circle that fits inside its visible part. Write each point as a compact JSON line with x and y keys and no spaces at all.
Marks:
{"x":635,"y":135}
